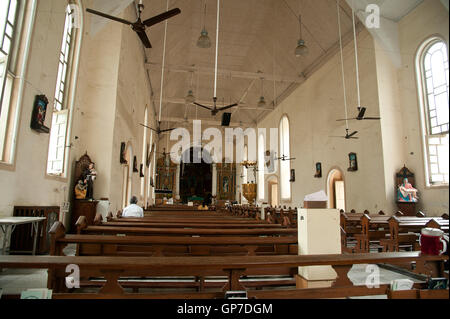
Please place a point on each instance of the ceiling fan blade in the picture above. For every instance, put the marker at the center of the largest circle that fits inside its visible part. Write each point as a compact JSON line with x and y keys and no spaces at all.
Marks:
{"x":372,"y":118}
{"x":161,"y":17}
{"x":205,"y":107}
{"x":148,"y":127}
{"x":354,"y":133}
{"x":143,"y":36}
{"x":107,"y":16}
{"x":167,"y":130}
{"x":341,"y":120}
{"x":362,"y":112}
{"x":227,"y":107}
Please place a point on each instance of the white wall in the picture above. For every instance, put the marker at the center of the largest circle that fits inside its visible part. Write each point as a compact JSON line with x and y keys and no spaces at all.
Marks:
{"x":313,"y":110}
{"x":429,"y":18}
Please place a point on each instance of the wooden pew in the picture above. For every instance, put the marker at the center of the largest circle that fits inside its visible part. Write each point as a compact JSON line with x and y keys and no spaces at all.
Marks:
{"x":82,"y":227}
{"x":406,"y":230}
{"x":98,"y":221}
{"x":377,"y":231}
{"x":284,"y":216}
{"x":419,"y":294}
{"x":112,"y":269}
{"x":184,"y":219}
{"x":112,"y":245}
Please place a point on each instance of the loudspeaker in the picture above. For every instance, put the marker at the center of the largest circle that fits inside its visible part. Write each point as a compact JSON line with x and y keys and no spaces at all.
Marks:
{"x":226,"y":118}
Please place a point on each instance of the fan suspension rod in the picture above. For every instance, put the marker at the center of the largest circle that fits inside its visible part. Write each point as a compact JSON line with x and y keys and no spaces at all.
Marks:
{"x":163,"y":66}
{"x":356,"y":56}
{"x":217,"y":48}
{"x":342,"y":63}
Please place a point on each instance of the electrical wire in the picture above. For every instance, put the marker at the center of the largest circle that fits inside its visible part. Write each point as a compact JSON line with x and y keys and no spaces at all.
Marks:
{"x":342,"y":63}
{"x":163,"y":65}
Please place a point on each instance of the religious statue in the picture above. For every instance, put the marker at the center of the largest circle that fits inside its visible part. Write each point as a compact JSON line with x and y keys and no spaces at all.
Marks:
{"x":80,"y":190}
{"x":406,"y":192}
{"x":225,"y":185}
{"x":270,"y":161}
{"x":89,"y":175}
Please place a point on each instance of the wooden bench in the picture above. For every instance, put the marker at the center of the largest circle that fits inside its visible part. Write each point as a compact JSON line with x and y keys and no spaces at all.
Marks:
{"x":406,"y":230}
{"x":377,"y":232}
{"x":98,"y":221}
{"x":170,"y":245}
{"x":233,"y":268}
{"x":82,"y":227}
{"x":419,"y":294}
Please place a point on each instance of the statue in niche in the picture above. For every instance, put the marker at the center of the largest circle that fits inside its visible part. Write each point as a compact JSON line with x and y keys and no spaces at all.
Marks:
{"x":225,"y":185}
{"x":270,"y":162}
{"x":88,"y":176}
{"x":406,"y":192}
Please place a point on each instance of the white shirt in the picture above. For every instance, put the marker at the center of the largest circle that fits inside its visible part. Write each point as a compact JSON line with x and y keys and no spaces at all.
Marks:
{"x":133,"y":210}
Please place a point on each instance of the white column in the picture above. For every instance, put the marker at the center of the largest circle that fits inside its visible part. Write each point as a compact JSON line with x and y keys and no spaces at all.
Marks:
{"x":214,"y":180}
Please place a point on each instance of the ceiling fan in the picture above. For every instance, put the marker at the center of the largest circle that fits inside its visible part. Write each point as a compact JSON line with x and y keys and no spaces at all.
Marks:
{"x":285,"y":158}
{"x":139,"y":26}
{"x":158,"y":130}
{"x":349,"y":136}
{"x":361,"y":117}
{"x":214,"y":110}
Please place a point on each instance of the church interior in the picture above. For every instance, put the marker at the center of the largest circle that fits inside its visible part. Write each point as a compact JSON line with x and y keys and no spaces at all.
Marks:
{"x":277,"y":149}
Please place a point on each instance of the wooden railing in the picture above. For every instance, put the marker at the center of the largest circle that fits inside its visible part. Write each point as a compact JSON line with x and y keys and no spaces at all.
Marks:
{"x":113,"y":268}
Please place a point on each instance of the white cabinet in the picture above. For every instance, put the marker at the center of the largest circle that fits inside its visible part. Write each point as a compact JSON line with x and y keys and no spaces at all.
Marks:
{"x":318,"y":233}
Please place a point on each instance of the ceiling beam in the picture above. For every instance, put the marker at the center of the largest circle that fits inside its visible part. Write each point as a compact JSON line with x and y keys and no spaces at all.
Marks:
{"x":225,"y":73}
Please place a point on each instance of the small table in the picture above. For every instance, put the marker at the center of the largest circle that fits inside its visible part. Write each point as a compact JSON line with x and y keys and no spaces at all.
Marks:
{"x":8,"y":224}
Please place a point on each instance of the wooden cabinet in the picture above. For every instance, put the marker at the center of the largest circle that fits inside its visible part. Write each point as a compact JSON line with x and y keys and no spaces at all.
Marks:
{"x":85,"y":208}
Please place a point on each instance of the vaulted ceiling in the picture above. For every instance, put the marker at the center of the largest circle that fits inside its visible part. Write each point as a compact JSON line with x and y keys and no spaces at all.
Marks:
{"x":257,"y":40}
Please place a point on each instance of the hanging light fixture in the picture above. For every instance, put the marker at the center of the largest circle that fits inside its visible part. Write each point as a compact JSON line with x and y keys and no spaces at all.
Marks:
{"x":190,"y":97}
{"x":262,"y":101}
{"x":204,"y":42}
{"x":301,"y":49}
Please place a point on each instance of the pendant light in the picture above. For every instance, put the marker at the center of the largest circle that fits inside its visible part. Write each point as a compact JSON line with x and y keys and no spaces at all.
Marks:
{"x":190,"y":97}
{"x":301,"y":49}
{"x":204,"y":42}
{"x":262,"y":101}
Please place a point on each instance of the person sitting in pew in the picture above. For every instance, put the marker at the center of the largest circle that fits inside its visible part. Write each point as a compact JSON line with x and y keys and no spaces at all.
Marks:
{"x":133,"y":210}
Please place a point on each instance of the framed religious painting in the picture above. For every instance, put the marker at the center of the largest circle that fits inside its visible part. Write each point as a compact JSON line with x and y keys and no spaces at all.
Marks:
{"x":318,"y":170}
{"x":353,"y":162}
{"x":38,"y":116}
{"x":292,"y":176}
{"x":135,"y":167}
{"x":122,"y":153}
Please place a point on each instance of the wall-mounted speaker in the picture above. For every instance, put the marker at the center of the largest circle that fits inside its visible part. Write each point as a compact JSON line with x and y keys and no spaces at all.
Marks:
{"x":226,"y":118}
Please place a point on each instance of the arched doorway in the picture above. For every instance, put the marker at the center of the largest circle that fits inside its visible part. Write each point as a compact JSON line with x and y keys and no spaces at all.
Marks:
{"x":273,"y":190}
{"x":195,"y":178}
{"x":336,"y":189}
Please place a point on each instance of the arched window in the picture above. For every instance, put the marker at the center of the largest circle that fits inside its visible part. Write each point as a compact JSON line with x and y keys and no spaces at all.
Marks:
{"x":285,"y":151}
{"x":432,"y":69}
{"x":16,"y":26}
{"x":57,"y":152}
{"x":261,"y":151}
{"x":145,"y":148}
